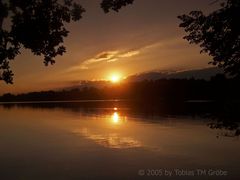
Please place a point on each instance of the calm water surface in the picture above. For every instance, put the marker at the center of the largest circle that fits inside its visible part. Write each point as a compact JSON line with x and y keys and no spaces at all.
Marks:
{"x":112,"y":142}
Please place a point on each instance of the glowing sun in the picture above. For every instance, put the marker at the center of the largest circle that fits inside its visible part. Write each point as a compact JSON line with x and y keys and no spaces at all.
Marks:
{"x":115,"y":78}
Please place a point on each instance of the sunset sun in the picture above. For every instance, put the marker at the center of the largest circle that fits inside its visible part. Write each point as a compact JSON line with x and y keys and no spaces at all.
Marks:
{"x":115,"y":78}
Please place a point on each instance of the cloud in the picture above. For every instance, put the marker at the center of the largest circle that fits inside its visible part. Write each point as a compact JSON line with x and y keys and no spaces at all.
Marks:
{"x":129,"y":54}
{"x":106,"y":56}
{"x":112,"y":56}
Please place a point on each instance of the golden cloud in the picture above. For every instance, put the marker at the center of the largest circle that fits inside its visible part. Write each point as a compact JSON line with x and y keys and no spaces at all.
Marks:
{"x":112,"y":56}
{"x":129,"y":54}
{"x":107,"y":56}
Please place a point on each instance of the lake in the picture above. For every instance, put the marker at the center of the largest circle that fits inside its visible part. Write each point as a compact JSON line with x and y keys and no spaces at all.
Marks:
{"x":113,"y":140}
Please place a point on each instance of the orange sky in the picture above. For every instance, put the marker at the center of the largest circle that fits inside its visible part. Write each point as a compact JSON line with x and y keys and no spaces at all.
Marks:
{"x":142,"y":37}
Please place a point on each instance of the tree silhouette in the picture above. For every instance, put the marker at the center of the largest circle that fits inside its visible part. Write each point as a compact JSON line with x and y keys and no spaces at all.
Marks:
{"x":218,"y":34}
{"x":39,"y":25}
{"x":115,"y":5}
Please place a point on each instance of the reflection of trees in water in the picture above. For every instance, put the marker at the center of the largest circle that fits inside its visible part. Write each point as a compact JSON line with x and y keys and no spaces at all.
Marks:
{"x":224,"y":117}
{"x":229,"y":129}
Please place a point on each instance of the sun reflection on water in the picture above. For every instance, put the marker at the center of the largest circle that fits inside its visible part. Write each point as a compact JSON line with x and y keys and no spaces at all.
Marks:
{"x":115,"y":118}
{"x":111,"y":137}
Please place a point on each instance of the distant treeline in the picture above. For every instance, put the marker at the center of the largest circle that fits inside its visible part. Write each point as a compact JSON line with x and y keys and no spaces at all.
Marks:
{"x":173,"y":90}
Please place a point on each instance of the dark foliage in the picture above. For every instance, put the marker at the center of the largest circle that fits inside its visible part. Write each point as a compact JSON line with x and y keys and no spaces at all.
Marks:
{"x":35,"y":25}
{"x":114,"y":5}
{"x":218,"y":34}
{"x":39,"y":26}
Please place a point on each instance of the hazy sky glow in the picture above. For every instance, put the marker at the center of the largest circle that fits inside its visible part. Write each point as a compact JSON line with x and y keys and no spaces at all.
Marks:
{"x":142,"y":37}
